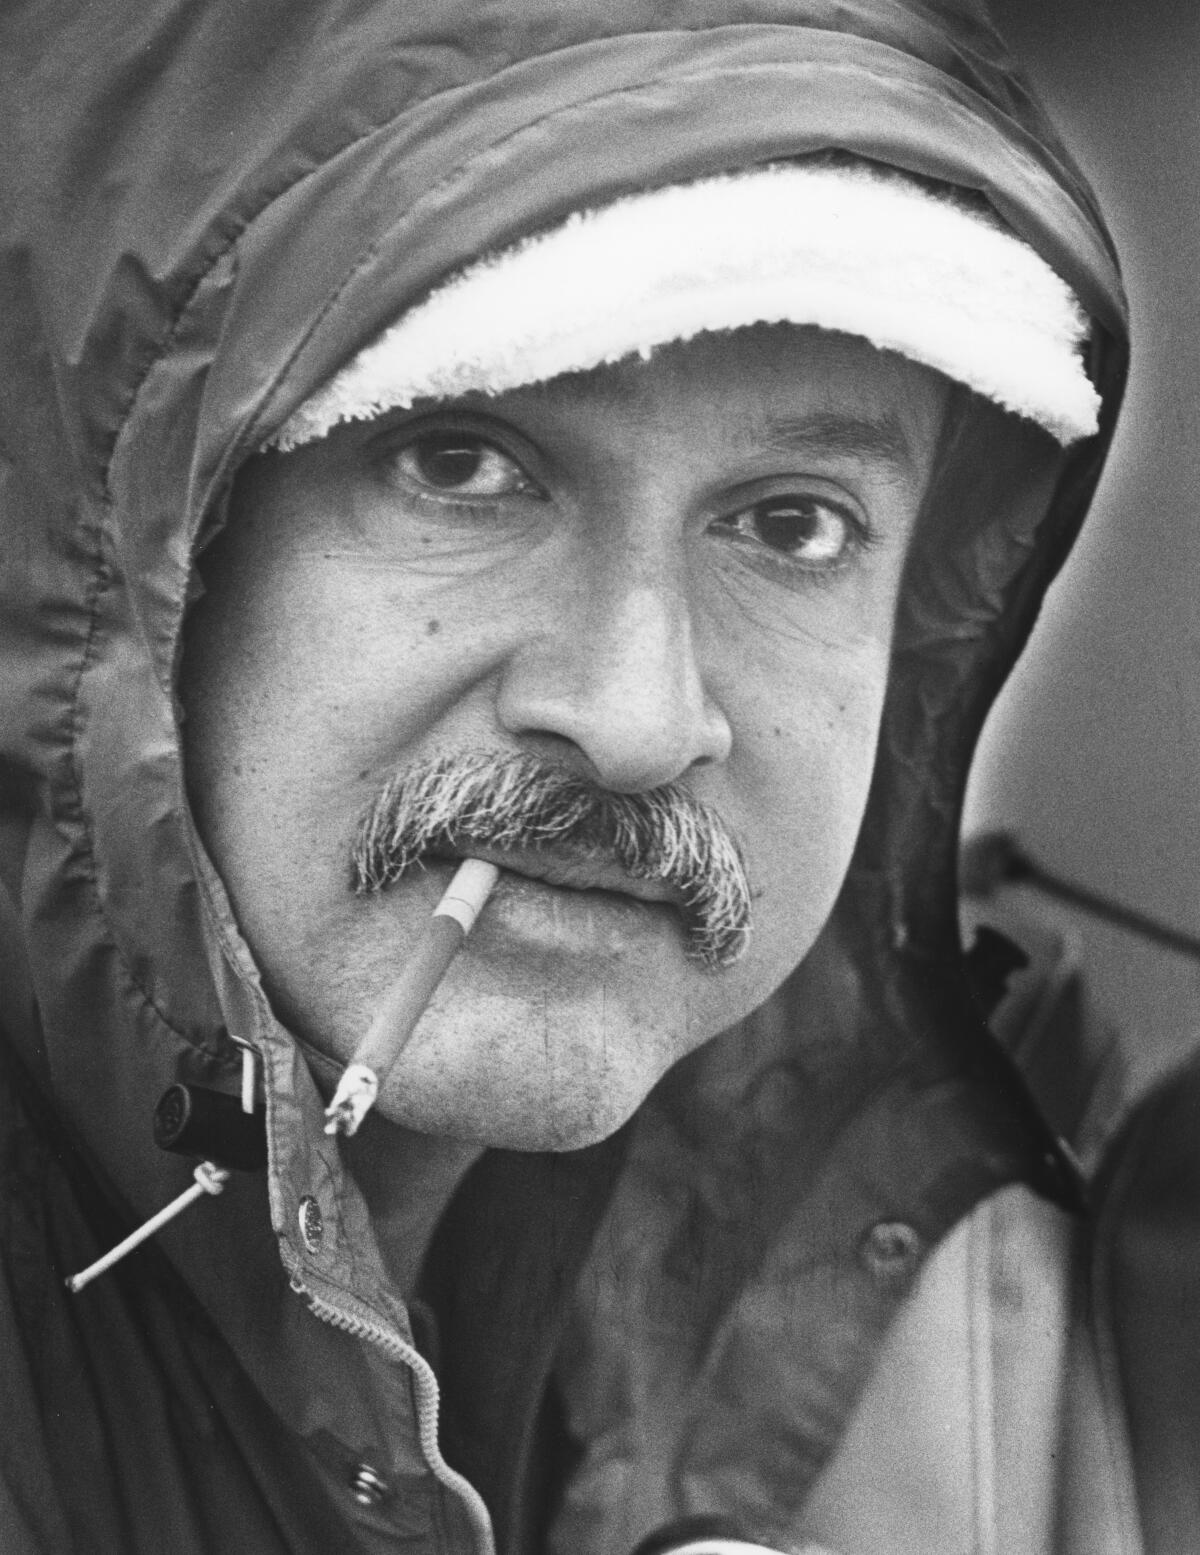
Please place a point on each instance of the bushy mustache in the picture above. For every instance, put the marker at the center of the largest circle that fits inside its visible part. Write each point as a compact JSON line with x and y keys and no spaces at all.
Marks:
{"x":515,"y":800}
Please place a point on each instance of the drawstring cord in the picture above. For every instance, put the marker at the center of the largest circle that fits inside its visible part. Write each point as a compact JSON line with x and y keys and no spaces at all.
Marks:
{"x":210,"y":1180}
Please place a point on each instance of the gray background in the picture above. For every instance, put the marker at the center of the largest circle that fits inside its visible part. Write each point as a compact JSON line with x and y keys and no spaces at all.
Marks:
{"x":1093,"y":755}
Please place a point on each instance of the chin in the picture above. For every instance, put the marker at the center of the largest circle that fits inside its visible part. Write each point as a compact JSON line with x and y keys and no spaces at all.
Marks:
{"x":547,"y":1122}
{"x":558,"y":1129}
{"x":526,"y":1096}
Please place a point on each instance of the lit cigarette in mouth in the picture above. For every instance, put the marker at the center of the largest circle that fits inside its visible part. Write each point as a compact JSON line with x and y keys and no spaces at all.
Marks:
{"x":388,"y":1034}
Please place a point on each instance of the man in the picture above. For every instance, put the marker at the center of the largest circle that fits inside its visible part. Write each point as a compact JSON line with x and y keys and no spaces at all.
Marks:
{"x":628,"y":447}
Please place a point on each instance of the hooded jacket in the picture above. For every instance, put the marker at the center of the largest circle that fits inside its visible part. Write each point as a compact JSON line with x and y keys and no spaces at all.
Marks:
{"x":207,"y":209}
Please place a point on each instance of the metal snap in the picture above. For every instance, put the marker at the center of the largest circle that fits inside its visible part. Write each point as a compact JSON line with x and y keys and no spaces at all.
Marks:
{"x":890,"y":1249}
{"x":312,"y":1223}
{"x":368,"y":1485}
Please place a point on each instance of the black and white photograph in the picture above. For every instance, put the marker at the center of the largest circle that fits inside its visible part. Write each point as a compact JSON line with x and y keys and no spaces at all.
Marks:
{"x":599,"y":777}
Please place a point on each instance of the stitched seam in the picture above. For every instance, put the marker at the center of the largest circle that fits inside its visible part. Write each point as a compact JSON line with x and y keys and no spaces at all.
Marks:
{"x":70,"y":806}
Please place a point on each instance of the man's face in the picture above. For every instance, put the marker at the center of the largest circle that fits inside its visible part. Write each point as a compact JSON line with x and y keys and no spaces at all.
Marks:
{"x":682,"y":572}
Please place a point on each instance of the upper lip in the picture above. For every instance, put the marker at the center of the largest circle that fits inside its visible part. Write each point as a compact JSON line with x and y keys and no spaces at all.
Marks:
{"x":575,"y":872}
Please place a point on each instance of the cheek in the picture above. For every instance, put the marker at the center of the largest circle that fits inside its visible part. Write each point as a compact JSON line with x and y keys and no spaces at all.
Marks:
{"x":805,"y":762}
{"x":304,"y":685}
{"x":323,"y":671}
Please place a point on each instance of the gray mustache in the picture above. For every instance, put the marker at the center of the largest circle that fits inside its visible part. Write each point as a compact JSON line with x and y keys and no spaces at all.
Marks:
{"x":514,"y":800}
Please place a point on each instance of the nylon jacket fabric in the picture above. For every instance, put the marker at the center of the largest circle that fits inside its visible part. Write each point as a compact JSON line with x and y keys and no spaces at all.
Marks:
{"x":206,"y":209}
{"x":1145,"y":1279}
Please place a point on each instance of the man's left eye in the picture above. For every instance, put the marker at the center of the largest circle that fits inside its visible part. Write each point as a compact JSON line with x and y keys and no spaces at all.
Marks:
{"x":460,"y":464}
{"x":811,"y":531}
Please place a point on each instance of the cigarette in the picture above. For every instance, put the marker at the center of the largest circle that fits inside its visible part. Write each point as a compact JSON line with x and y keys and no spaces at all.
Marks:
{"x":388,"y":1034}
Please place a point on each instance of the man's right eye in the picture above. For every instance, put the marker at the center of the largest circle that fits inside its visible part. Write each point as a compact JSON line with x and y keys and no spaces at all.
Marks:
{"x":459,"y":464}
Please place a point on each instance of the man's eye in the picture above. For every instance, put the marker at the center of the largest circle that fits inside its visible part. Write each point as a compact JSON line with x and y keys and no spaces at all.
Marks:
{"x":460,"y":464}
{"x":810,"y":531}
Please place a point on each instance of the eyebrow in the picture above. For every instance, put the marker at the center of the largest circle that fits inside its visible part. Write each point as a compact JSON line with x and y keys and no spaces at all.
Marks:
{"x":825,"y":432}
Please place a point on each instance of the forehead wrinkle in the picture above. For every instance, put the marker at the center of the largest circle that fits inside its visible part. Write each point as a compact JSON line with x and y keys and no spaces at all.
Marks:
{"x":876,"y":438}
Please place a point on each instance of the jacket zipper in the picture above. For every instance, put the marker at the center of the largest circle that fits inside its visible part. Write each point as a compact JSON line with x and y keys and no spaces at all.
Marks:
{"x":428,"y":1398}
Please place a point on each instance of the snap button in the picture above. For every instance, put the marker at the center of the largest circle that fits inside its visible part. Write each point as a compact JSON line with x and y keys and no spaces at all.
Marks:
{"x":312,"y":1223}
{"x":890,"y":1249}
{"x":368,"y":1485}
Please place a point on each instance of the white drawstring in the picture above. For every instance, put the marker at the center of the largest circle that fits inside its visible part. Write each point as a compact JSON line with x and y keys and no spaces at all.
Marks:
{"x":210,"y":1178}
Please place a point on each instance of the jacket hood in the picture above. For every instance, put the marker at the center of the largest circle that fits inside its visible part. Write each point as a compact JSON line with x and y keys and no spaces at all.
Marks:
{"x":208,"y":210}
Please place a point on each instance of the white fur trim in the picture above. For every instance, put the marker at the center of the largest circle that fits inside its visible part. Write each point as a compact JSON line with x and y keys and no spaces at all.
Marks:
{"x":736,"y":1547}
{"x":852,"y":249}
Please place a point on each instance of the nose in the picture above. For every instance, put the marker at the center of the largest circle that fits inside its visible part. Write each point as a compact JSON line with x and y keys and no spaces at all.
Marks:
{"x":612,"y":670}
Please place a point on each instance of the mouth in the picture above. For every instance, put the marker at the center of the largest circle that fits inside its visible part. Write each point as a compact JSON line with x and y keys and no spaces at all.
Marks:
{"x":574,"y":901}
{"x":570,"y":872}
